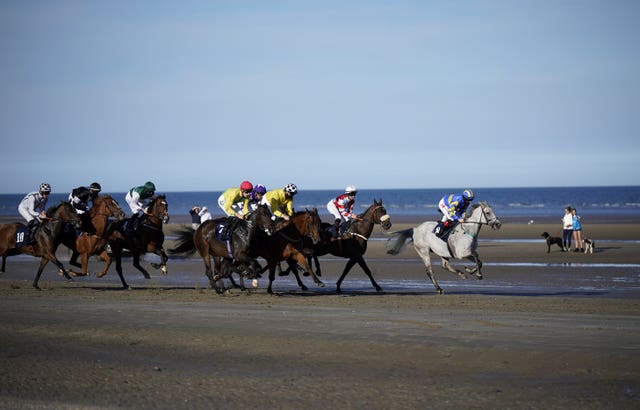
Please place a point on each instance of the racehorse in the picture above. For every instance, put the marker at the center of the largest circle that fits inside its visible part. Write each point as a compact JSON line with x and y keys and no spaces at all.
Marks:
{"x":287,"y":243}
{"x":148,"y":237}
{"x":352,"y":245}
{"x":236,"y":250}
{"x":47,"y":238}
{"x":461,"y":244}
{"x":93,"y":242}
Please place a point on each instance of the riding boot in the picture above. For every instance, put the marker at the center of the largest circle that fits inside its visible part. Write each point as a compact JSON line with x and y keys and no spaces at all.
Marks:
{"x":33,"y":227}
{"x":335,"y":229}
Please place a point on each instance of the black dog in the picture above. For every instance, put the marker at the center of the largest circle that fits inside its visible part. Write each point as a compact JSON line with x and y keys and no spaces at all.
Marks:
{"x":551,"y":240}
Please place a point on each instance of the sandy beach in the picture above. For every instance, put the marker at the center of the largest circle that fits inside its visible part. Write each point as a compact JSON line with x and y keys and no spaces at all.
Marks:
{"x":542,"y":330}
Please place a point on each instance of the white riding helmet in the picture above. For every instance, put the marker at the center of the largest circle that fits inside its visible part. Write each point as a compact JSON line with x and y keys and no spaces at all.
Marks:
{"x":350,"y":188}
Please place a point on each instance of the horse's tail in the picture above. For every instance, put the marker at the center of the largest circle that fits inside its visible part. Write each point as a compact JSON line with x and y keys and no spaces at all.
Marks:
{"x":184,"y":244}
{"x":398,"y":241}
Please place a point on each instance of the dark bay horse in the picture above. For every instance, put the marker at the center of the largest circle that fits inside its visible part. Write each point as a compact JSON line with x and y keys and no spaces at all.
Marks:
{"x":93,"y":241}
{"x":236,"y":251}
{"x":353,"y":245}
{"x":147,"y":238}
{"x":287,"y":243}
{"x":47,"y":238}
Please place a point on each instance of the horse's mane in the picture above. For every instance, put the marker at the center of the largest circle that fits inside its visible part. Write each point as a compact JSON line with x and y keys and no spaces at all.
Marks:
{"x":474,"y":206}
{"x":53,"y":208}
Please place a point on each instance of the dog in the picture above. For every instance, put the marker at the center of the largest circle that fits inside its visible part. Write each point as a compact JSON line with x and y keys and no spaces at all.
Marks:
{"x":552,"y":240}
{"x":589,"y":245}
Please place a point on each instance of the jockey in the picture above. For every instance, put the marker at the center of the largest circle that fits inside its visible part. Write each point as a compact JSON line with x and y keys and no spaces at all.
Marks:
{"x":341,"y":207}
{"x":80,"y":197}
{"x":235,"y":201}
{"x":138,"y":199}
{"x":32,"y":207}
{"x":256,"y":196}
{"x":453,"y":208}
{"x":280,"y":201}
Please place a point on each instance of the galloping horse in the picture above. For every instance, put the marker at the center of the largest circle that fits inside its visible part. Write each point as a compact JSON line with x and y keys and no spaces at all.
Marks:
{"x":93,"y":243}
{"x":205,"y":242}
{"x":354,"y":244}
{"x":47,"y":238}
{"x":287,"y":243}
{"x":462,"y":242}
{"x":147,"y":238}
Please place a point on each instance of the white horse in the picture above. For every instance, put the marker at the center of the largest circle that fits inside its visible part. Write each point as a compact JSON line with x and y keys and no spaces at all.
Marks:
{"x":462,"y":242}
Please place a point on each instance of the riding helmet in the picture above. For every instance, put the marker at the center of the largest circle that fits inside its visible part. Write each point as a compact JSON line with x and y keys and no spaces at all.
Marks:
{"x":468,"y":195}
{"x":291,"y":189}
{"x":149,"y":186}
{"x":259,"y":189}
{"x":350,"y":189}
{"x":45,"y":188}
{"x":246,"y":186}
{"x":95,"y":187}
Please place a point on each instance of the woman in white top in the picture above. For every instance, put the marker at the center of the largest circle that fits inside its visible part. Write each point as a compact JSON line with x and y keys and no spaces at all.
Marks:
{"x":567,"y":229}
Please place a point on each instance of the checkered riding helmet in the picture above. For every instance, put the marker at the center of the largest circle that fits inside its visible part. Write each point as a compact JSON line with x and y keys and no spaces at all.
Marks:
{"x":45,"y":188}
{"x":291,"y":189}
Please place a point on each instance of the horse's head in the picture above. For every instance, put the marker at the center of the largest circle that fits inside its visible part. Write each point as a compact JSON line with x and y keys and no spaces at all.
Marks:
{"x":261,"y":218}
{"x":159,"y":208}
{"x":64,"y":211}
{"x":378,"y":215}
{"x":106,"y":205}
{"x":308,"y":224}
{"x":488,"y":216}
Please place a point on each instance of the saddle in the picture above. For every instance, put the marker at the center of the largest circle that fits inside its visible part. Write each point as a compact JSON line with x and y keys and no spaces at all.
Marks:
{"x":24,"y":237}
{"x":444,"y":229}
{"x":224,"y":229}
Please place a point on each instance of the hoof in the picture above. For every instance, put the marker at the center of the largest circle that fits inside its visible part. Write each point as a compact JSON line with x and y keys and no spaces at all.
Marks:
{"x":440,"y":291}
{"x":320,"y":284}
{"x":378,"y":289}
{"x":304,"y":288}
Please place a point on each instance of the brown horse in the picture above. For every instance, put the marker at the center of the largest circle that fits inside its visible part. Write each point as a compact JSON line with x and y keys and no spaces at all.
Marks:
{"x":236,"y":251}
{"x":94,"y":240}
{"x":147,"y":238}
{"x":287,"y":244}
{"x":47,"y":238}
{"x":353,"y":245}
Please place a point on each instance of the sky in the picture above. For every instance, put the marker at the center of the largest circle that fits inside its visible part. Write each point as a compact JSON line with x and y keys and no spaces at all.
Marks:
{"x":200,"y":95}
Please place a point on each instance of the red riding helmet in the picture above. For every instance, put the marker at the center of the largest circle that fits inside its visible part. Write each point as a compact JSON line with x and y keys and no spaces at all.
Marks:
{"x":246,"y":186}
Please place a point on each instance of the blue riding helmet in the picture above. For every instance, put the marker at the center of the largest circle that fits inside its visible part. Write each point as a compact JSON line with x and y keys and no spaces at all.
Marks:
{"x":468,"y":195}
{"x":259,"y":189}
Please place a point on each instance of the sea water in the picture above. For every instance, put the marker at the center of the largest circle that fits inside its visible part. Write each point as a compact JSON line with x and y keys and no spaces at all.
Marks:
{"x":524,"y":203}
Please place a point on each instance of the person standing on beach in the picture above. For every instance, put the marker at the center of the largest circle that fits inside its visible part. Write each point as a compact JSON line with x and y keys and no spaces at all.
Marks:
{"x":577,"y":231}
{"x":235,"y":201}
{"x":32,"y":207}
{"x":453,"y":208}
{"x":195,"y":217}
{"x":567,"y":229}
{"x":341,"y":207}
{"x":280,"y":201}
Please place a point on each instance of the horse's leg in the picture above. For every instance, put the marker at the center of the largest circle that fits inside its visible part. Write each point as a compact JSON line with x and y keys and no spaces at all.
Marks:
{"x":117,"y":254}
{"x":302,"y":261}
{"x":426,"y":259}
{"x":43,"y":262}
{"x":4,"y":261}
{"x":446,"y":265}
{"x":73,"y":261}
{"x":272,"y":275}
{"x":294,"y":269}
{"x":365,"y":268}
{"x":477,"y":269}
{"x":107,"y":259}
{"x":315,"y":258}
{"x":136,"y":264}
{"x":347,"y":268}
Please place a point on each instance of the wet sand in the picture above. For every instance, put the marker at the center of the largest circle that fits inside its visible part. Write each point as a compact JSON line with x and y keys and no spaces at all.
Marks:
{"x":557,"y":330}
